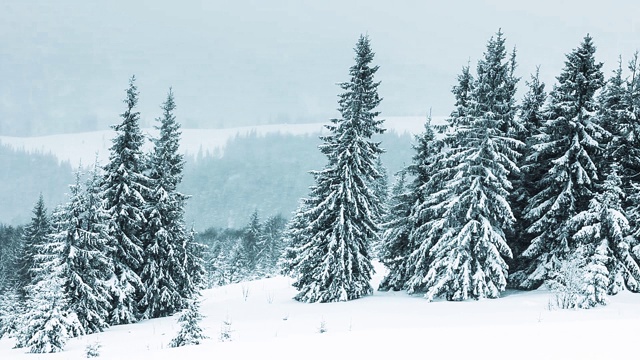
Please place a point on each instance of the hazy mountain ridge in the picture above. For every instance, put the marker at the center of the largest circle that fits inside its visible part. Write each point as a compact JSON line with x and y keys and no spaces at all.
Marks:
{"x":228,"y":172}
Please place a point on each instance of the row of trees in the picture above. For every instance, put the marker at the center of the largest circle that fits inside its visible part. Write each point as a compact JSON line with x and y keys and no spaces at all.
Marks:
{"x":252,"y":252}
{"x":510,"y":193}
{"x":503,"y":194}
{"x":117,"y":252}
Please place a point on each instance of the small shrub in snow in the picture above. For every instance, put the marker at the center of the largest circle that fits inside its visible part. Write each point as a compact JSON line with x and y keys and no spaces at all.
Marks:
{"x":568,"y":283}
{"x":226,"y":330}
{"x":92,"y":350}
{"x":190,"y":331}
{"x":323,"y":327}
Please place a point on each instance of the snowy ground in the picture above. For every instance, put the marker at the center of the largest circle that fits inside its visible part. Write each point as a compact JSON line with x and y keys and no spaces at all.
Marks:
{"x":268,"y":324}
{"x":84,"y":147}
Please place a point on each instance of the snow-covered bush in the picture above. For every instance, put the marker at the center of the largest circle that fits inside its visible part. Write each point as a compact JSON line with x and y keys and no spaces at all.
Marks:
{"x":225,"y":330}
{"x":190,"y":331}
{"x":567,"y":284}
{"x":92,"y":350}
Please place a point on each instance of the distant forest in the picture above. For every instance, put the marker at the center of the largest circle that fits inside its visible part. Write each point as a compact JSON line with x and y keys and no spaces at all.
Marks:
{"x":268,"y":173}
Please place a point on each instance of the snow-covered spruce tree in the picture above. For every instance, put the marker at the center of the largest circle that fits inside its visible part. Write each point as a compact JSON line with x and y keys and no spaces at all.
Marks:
{"x":403,"y":247}
{"x":467,"y":257}
{"x":531,"y":118}
{"x":431,"y":170}
{"x":620,"y":115}
{"x":36,"y":233}
{"x":85,"y":267}
{"x":604,"y":234}
{"x":165,"y":235}
{"x":612,"y":116}
{"x":596,"y":277}
{"x":564,"y":154}
{"x":272,"y":245}
{"x":294,"y":236}
{"x":193,"y":263}
{"x":11,"y":308}
{"x":251,"y":243}
{"x":125,"y":191}
{"x":339,"y":219}
{"x":395,"y":246}
{"x":190,"y":332}
{"x":47,"y":322}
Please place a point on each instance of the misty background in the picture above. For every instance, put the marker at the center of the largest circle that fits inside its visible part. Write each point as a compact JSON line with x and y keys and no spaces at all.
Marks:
{"x":65,"y":64}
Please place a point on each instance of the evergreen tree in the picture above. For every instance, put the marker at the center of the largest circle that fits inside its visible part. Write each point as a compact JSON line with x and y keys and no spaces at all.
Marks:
{"x":604,"y":235}
{"x":532,"y":119}
{"x":47,"y":322}
{"x":620,"y":116}
{"x":333,"y":260}
{"x":165,"y":235}
{"x":85,"y":266}
{"x":462,"y":92}
{"x":565,"y":156}
{"x":272,"y":245}
{"x":190,"y":331}
{"x":252,"y":242}
{"x":596,"y":277}
{"x":395,"y":246}
{"x":404,"y":245}
{"x":464,"y":246}
{"x":297,"y":231}
{"x":124,"y":190}
{"x":35,"y":235}
{"x":613,"y":113}
{"x":192,"y":262}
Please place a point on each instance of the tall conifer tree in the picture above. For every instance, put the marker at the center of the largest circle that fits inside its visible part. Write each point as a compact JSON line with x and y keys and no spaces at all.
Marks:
{"x":465,"y":247}
{"x":35,"y":235}
{"x":565,"y":155}
{"x":125,"y":191}
{"x":165,"y":236}
{"x":340,"y":218}
{"x":85,"y":267}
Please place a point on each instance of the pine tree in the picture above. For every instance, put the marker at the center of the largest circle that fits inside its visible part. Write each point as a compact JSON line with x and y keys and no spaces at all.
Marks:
{"x":620,"y":115}
{"x":84,"y":263}
{"x":47,"y":322}
{"x":462,"y":92}
{"x":604,"y":232}
{"x":272,"y":245}
{"x":35,"y":235}
{"x":465,"y":247}
{"x":333,"y":260}
{"x":596,"y":277}
{"x":192,"y":262}
{"x":124,"y":190}
{"x":613,"y":118}
{"x":295,"y":234}
{"x":395,"y":246}
{"x":532,"y":119}
{"x":404,"y":245}
{"x":190,"y":331}
{"x":252,"y":242}
{"x":165,"y":235}
{"x":565,"y":156}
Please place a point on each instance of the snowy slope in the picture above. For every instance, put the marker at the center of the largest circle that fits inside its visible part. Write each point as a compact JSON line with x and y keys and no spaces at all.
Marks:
{"x":84,"y":147}
{"x":269,"y":325}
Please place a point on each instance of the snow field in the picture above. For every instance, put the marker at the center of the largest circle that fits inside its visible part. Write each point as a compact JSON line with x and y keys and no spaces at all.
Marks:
{"x":267,"y":324}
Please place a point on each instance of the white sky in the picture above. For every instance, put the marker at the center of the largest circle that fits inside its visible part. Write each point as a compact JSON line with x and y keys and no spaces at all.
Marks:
{"x":250,"y":61}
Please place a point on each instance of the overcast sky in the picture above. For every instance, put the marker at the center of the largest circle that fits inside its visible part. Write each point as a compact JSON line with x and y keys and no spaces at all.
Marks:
{"x":253,"y":61}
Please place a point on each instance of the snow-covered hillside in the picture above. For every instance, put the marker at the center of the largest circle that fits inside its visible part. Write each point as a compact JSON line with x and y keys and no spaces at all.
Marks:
{"x":85,"y":147}
{"x":268,"y":324}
